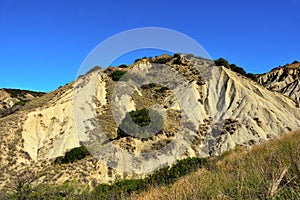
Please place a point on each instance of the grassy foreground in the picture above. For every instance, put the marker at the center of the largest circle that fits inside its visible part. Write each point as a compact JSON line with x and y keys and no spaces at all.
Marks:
{"x":267,"y":171}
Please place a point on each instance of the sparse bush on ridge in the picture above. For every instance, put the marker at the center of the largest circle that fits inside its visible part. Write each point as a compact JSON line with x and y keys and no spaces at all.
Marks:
{"x":222,"y":62}
{"x":235,"y":68}
{"x":138,"y":59}
{"x":252,"y":76}
{"x":17,"y":93}
{"x":161,"y":60}
{"x":122,"y":66}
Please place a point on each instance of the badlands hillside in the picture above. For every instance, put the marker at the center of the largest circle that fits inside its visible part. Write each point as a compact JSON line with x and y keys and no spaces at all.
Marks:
{"x":206,"y":110}
{"x":284,"y":80}
{"x":12,"y":99}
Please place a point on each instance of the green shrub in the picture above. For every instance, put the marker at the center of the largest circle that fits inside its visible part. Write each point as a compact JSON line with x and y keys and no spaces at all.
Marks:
{"x":252,"y":76}
{"x":140,"y":117}
{"x":162,"y":177}
{"x":183,"y":167}
{"x":136,"y":60}
{"x":222,"y":62}
{"x":161,"y":60}
{"x":237,"y":69}
{"x":117,"y":75}
{"x":73,"y":155}
{"x":123,"y":66}
{"x":136,"y":124}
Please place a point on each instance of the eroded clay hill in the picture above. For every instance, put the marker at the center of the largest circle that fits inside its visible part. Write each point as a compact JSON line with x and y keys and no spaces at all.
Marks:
{"x":12,"y":99}
{"x":285,"y":80}
{"x":206,"y":109}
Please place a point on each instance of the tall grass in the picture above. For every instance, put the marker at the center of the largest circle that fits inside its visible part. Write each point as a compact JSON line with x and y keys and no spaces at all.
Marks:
{"x":267,"y":171}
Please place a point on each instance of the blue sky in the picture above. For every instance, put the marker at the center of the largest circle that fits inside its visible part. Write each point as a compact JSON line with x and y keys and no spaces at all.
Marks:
{"x":43,"y":43}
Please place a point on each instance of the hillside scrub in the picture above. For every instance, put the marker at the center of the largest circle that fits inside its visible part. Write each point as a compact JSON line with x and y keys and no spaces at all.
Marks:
{"x":267,"y":171}
{"x":21,"y":94}
{"x":73,"y":155}
{"x":122,"y":189}
{"x":235,"y":68}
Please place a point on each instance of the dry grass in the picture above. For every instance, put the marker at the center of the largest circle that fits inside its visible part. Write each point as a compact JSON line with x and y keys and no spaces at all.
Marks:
{"x":267,"y":171}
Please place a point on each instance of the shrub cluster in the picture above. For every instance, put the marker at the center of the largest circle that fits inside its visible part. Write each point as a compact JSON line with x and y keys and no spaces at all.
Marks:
{"x":138,"y":124}
{"x":73,"y":155}
{"x":16,"y":93}
{"x":235,"y":68}
{"x":161,"y":60}
{"x":162,"y":177}
{"x":123,"y":66}
{"x":117,"y":75}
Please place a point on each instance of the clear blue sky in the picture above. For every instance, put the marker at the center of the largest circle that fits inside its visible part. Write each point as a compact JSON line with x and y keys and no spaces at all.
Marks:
{"x":43,"y":43}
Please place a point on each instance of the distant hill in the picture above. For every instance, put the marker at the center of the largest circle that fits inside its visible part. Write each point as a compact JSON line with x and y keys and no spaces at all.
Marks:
{"x":12,"y":99}
{"x":285,"y":80}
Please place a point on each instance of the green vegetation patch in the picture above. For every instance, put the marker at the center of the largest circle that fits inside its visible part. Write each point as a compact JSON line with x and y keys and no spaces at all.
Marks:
{"x":162,"y":177}
{"x":16,"y":93}
{"x":138,"y":124}
{"x":117,"y":75}
{"x":73,"y":155}
{"x":235,"y":68}
{"x":118,"y":190}
{"x":122,"y":66}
